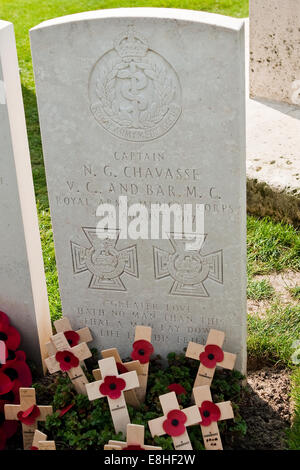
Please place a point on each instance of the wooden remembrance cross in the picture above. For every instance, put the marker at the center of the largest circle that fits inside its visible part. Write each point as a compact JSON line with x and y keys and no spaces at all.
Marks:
{"x":134,"y":440}
{"x":175,"y":421}
{"x":28,"y":411}
{"x":40,"y":442}
{"x":63,"y":325}
{"x":210,"y":415}
{"x":130,"y":395}
{"x":211,"y":356}
{"x":113,"y":387}
{"x":73,"y":355}
{"x":143,"y":333}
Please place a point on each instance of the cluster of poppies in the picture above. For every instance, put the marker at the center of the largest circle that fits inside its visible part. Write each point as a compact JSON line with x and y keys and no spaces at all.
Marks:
{"x":174,"y":425}
{"x":14,"y":373}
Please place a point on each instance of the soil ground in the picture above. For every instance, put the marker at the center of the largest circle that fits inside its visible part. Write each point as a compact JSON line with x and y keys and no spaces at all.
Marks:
{"x":282,"y":284}
{"x":266,"y":409}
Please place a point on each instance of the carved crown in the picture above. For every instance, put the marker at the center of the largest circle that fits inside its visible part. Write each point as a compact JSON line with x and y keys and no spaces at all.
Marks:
{"x":131,"y":44}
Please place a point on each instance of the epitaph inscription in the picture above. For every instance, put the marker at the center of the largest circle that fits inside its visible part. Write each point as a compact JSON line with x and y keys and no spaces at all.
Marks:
{"x":134,"y":92}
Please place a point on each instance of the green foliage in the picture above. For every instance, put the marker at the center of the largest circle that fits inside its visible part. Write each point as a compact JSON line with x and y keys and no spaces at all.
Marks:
{"x":88,"y":425}
{"x":259,"y":290}
{"x":50,"y":263}
{"x":294,"y":432}
{"x":272,"y":246}
{"x":270,"y":337}
{"x":295,"y":292}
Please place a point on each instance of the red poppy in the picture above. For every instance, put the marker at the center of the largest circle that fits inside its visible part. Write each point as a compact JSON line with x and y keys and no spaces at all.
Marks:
{"x":64,"y":410}
{"x":9,"y":427}
{"x":211,"y":355}
{"x":34,"y":448}
{"x":9,"y":335}
{"x":72,"y":337}
{"x":67,"y":360}
{"x":112,"y":386}
{"x":6,"y":384}
{"x":174,"y":424}
{"x":133,"y":447}
{"x":12,"y":397}
{"x":177,"y":388}
{"x":209,"y":412}
{"x":18,"y":371}
{"x":121,"y":368}
{"x":142,"y":351}
{"x":20,"y":356}
{"x":29,"y":416}
{"x":4,"y":318}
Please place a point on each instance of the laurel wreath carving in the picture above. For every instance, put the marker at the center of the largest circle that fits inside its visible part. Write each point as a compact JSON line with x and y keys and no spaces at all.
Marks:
{"x":162,"y":83}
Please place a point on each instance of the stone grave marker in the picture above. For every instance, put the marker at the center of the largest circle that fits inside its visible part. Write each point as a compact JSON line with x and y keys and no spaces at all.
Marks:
{"x":23,"y":294}
{"x":275,"y":50}
{"x":149,"y":104}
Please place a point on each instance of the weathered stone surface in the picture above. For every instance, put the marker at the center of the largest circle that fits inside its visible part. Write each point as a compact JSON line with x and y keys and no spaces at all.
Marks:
{"x":23,"y":294}
{"x":275,"y":50}
{"x":273,"y":155}
{"x":165,"y":123}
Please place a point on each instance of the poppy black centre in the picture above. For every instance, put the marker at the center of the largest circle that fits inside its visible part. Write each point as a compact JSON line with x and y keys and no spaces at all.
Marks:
{"x":11,"y":355}
{"x":70,"y":342}
{"x":211,"y":356}
{"x":112,"y":386}
{"x":175,"y":422}
{"x":67,"y":359}
{"x":141,"y":352}
{"x":11,"y":373}
{"x":3,"y":336}
{"x":206,"y":414}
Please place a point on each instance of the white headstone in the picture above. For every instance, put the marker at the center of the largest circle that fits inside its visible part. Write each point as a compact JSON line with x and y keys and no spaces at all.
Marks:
{"x":23,"y":294}
{"x":149,"y":104}
{"x":275,"y":50}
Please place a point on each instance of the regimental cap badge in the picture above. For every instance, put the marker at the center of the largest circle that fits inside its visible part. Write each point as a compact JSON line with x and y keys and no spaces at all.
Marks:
{"x":131,"y":44}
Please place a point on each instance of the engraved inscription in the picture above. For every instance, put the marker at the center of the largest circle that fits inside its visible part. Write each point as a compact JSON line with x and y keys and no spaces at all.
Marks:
{"x":189,"y":269}
{"x":104,"y":261}
{"x":134,"y":92}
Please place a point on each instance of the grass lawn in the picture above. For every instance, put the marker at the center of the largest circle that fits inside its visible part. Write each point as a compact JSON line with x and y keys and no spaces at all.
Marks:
{"x":272,"y":247}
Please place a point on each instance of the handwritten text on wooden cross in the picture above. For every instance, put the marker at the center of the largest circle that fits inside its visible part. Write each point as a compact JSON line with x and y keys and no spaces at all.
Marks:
{"x":67,"y":360}
{"x":175,"y":421}
{"x":29,"y":413}
{"x":211,"y":413}
{"x":40,"y":442}
{"x":113,"y":387}
{"x":73,"y":337}
{"x":210,"y":356}
{"x":142,"y":350}
{"x":134,"y":441}
{"x":130,"y":395}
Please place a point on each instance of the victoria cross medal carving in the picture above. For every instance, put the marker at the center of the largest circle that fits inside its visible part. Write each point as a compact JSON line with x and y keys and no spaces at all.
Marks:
{"x":104,"y":261}
{"x":134,"y":92}
{"x":188,"y":269}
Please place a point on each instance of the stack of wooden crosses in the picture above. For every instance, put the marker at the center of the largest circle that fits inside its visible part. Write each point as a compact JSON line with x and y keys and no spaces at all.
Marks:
{"x":125,"y":384}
